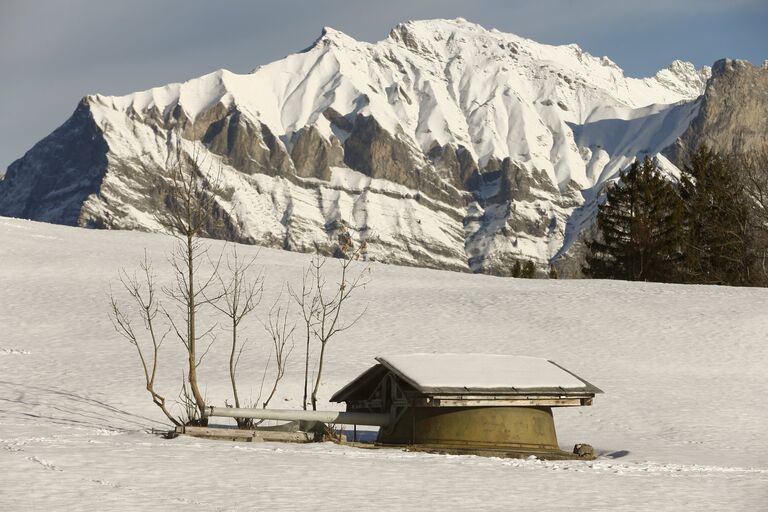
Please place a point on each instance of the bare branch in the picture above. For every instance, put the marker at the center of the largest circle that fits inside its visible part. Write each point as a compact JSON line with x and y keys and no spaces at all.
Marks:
{"x":322,"y":308}
{"x":143,"y":294}
{"x":278,"y":328}
{"x":237,"y":296}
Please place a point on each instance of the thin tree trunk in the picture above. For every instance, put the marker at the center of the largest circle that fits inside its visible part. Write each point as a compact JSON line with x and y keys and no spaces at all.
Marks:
{"x":306,"y":373}
{"x":191,"y":329}
{"x":232,"y":363}
{"x":319,"y":374}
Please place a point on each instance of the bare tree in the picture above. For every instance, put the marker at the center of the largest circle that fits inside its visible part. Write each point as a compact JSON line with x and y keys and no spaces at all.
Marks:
{"x":309,"y":304}
{"x":281,"y":331}
{"x":238,"y":297}
{"x":320,"y":311}
{"x":144,"y":293}
{"x":329,"y":302}
{"x":190,"y":197}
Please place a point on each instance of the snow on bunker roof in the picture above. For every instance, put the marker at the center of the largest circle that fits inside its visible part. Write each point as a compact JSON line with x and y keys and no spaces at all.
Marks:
{"x":478,"y":372}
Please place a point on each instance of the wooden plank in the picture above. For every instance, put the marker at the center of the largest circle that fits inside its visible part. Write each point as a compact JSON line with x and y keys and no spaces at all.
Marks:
{"x":542,"y":402}
{"x":529,"y":396}
{"x":246,"y":435}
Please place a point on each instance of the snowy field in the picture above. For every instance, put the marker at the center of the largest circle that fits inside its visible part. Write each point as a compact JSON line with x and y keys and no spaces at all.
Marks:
{"x":681,"y":426}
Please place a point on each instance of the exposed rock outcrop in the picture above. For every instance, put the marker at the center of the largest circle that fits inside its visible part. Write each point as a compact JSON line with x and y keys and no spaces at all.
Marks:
{"x":515,"y":182}
{"x":314,"y":156}
{"x":454,"y":165}
{"x":733,"y":116}
{"x":375,"y":152}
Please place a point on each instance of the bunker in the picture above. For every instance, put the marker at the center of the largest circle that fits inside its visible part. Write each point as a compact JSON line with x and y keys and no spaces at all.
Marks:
{"x":468,"y":403}
{"x":453,"y":403}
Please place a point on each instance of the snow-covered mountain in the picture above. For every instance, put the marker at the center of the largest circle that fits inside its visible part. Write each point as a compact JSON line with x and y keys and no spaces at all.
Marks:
{"x":444,"y":145}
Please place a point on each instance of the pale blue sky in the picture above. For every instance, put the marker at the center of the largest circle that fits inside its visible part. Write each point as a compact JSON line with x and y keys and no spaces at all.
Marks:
{"x":54,"y":52}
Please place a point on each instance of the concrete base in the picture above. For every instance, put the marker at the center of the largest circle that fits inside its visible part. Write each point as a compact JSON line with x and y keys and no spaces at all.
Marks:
{"x":251,"y":436}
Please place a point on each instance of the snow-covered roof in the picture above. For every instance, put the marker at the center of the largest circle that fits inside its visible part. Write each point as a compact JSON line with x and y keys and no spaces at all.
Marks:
{"x":479,"y":371}
{"x":474,"y":374}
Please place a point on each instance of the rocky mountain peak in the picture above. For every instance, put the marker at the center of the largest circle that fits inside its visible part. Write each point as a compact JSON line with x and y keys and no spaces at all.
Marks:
{"x":330,"y":35}
{"x":684,"y":78}
{"x":724,"y":66}
{"x":445,"y":145}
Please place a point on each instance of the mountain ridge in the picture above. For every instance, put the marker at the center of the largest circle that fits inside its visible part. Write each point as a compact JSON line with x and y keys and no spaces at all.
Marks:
{"x":443,"y":145}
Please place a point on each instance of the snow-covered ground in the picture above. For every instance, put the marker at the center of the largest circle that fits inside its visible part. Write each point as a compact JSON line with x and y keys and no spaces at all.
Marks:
{"x":681,"y":426}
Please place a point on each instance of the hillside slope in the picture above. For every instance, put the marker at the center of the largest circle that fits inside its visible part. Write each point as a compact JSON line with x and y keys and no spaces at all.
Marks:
{"x":680,"y":426}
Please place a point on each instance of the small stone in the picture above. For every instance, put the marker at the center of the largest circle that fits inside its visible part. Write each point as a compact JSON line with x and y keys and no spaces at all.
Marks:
{"x":585,"y":451}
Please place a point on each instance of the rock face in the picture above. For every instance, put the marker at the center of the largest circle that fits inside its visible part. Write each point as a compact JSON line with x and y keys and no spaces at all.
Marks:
{"x":445,"y":145}
{"x":372,"y":150}
{"x":51,"y":182}
{"x":247,"y":146}
{"x":314,"y":156}
{"x":733,"y":116}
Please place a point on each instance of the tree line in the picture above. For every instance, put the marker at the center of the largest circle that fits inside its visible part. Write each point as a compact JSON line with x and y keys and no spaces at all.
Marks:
{"x":707,"y":226}
{"x":211,"y":295}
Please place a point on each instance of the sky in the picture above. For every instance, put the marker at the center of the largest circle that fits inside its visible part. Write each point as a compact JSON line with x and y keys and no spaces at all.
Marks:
{"x":52,"y":53}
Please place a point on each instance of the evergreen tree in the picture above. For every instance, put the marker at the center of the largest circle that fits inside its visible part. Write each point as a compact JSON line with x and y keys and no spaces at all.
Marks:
{"x":719,"y":236}
{"x":640,"y":229}
{"x":517,"y":269}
